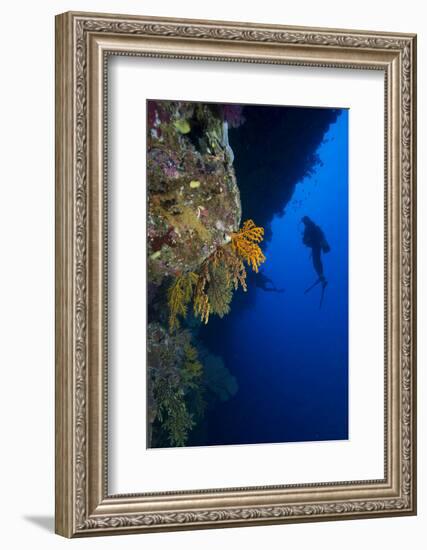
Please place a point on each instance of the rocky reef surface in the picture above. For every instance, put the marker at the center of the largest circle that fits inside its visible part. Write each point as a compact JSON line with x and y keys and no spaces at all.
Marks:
{"x":193,"y":197}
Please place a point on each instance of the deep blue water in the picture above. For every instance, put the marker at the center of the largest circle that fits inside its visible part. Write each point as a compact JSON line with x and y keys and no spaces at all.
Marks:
{"x":289,"y":356}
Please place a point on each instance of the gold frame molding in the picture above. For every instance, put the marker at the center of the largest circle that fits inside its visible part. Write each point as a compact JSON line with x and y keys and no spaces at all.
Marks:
{"x":83,"y":43}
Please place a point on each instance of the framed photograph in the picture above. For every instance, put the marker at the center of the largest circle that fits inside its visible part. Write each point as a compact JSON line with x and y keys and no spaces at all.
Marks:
{"x":235,"y":274}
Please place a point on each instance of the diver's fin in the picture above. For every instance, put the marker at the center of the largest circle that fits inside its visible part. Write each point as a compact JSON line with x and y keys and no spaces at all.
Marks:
{"x":325,"y":284}
{"x":312,"y":286}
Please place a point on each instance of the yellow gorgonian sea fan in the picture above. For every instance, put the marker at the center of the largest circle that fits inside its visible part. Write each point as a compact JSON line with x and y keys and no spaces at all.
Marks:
{"x":236,"y":272}
{"x":201,"y":304}
{"x":211,"y":289}
{"x":179,"y":295}
{"x":220,"y":289}
{"x":245,"y":244}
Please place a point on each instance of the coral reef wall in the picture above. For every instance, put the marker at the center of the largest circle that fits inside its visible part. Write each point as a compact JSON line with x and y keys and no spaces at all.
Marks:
{"x":193,"y":212}
{"x":193,"y":198}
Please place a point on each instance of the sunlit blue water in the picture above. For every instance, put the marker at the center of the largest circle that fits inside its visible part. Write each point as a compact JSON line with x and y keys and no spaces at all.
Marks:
{"x":289,"y":356}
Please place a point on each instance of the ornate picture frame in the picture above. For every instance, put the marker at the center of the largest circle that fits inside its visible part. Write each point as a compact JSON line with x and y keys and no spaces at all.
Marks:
{"x":84,"y":42}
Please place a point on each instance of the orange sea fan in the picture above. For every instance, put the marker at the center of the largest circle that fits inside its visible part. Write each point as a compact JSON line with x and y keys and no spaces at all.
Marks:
{"x":245,"y":244}
{"x":211,"y":288}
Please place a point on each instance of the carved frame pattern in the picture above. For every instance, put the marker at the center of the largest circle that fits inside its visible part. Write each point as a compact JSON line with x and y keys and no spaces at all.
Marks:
{"x":82,"y":510}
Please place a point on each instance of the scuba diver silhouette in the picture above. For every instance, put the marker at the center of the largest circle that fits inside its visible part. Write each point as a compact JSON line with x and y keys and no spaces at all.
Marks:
{"x":266,"y":284}
{"x":314,"y":238}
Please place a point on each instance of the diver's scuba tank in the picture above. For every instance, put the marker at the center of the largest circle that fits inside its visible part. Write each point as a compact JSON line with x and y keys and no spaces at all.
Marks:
{"x":325,"y":246}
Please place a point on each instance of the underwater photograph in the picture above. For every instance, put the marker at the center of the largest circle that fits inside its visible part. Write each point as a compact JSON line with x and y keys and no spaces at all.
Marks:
{"x":247,"y":274}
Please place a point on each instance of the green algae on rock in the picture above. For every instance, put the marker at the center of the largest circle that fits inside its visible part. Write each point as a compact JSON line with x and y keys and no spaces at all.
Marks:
{"x":172,"y":388}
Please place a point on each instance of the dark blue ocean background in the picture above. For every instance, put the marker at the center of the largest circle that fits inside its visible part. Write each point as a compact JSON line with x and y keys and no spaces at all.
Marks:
{"x":289,"y":356}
